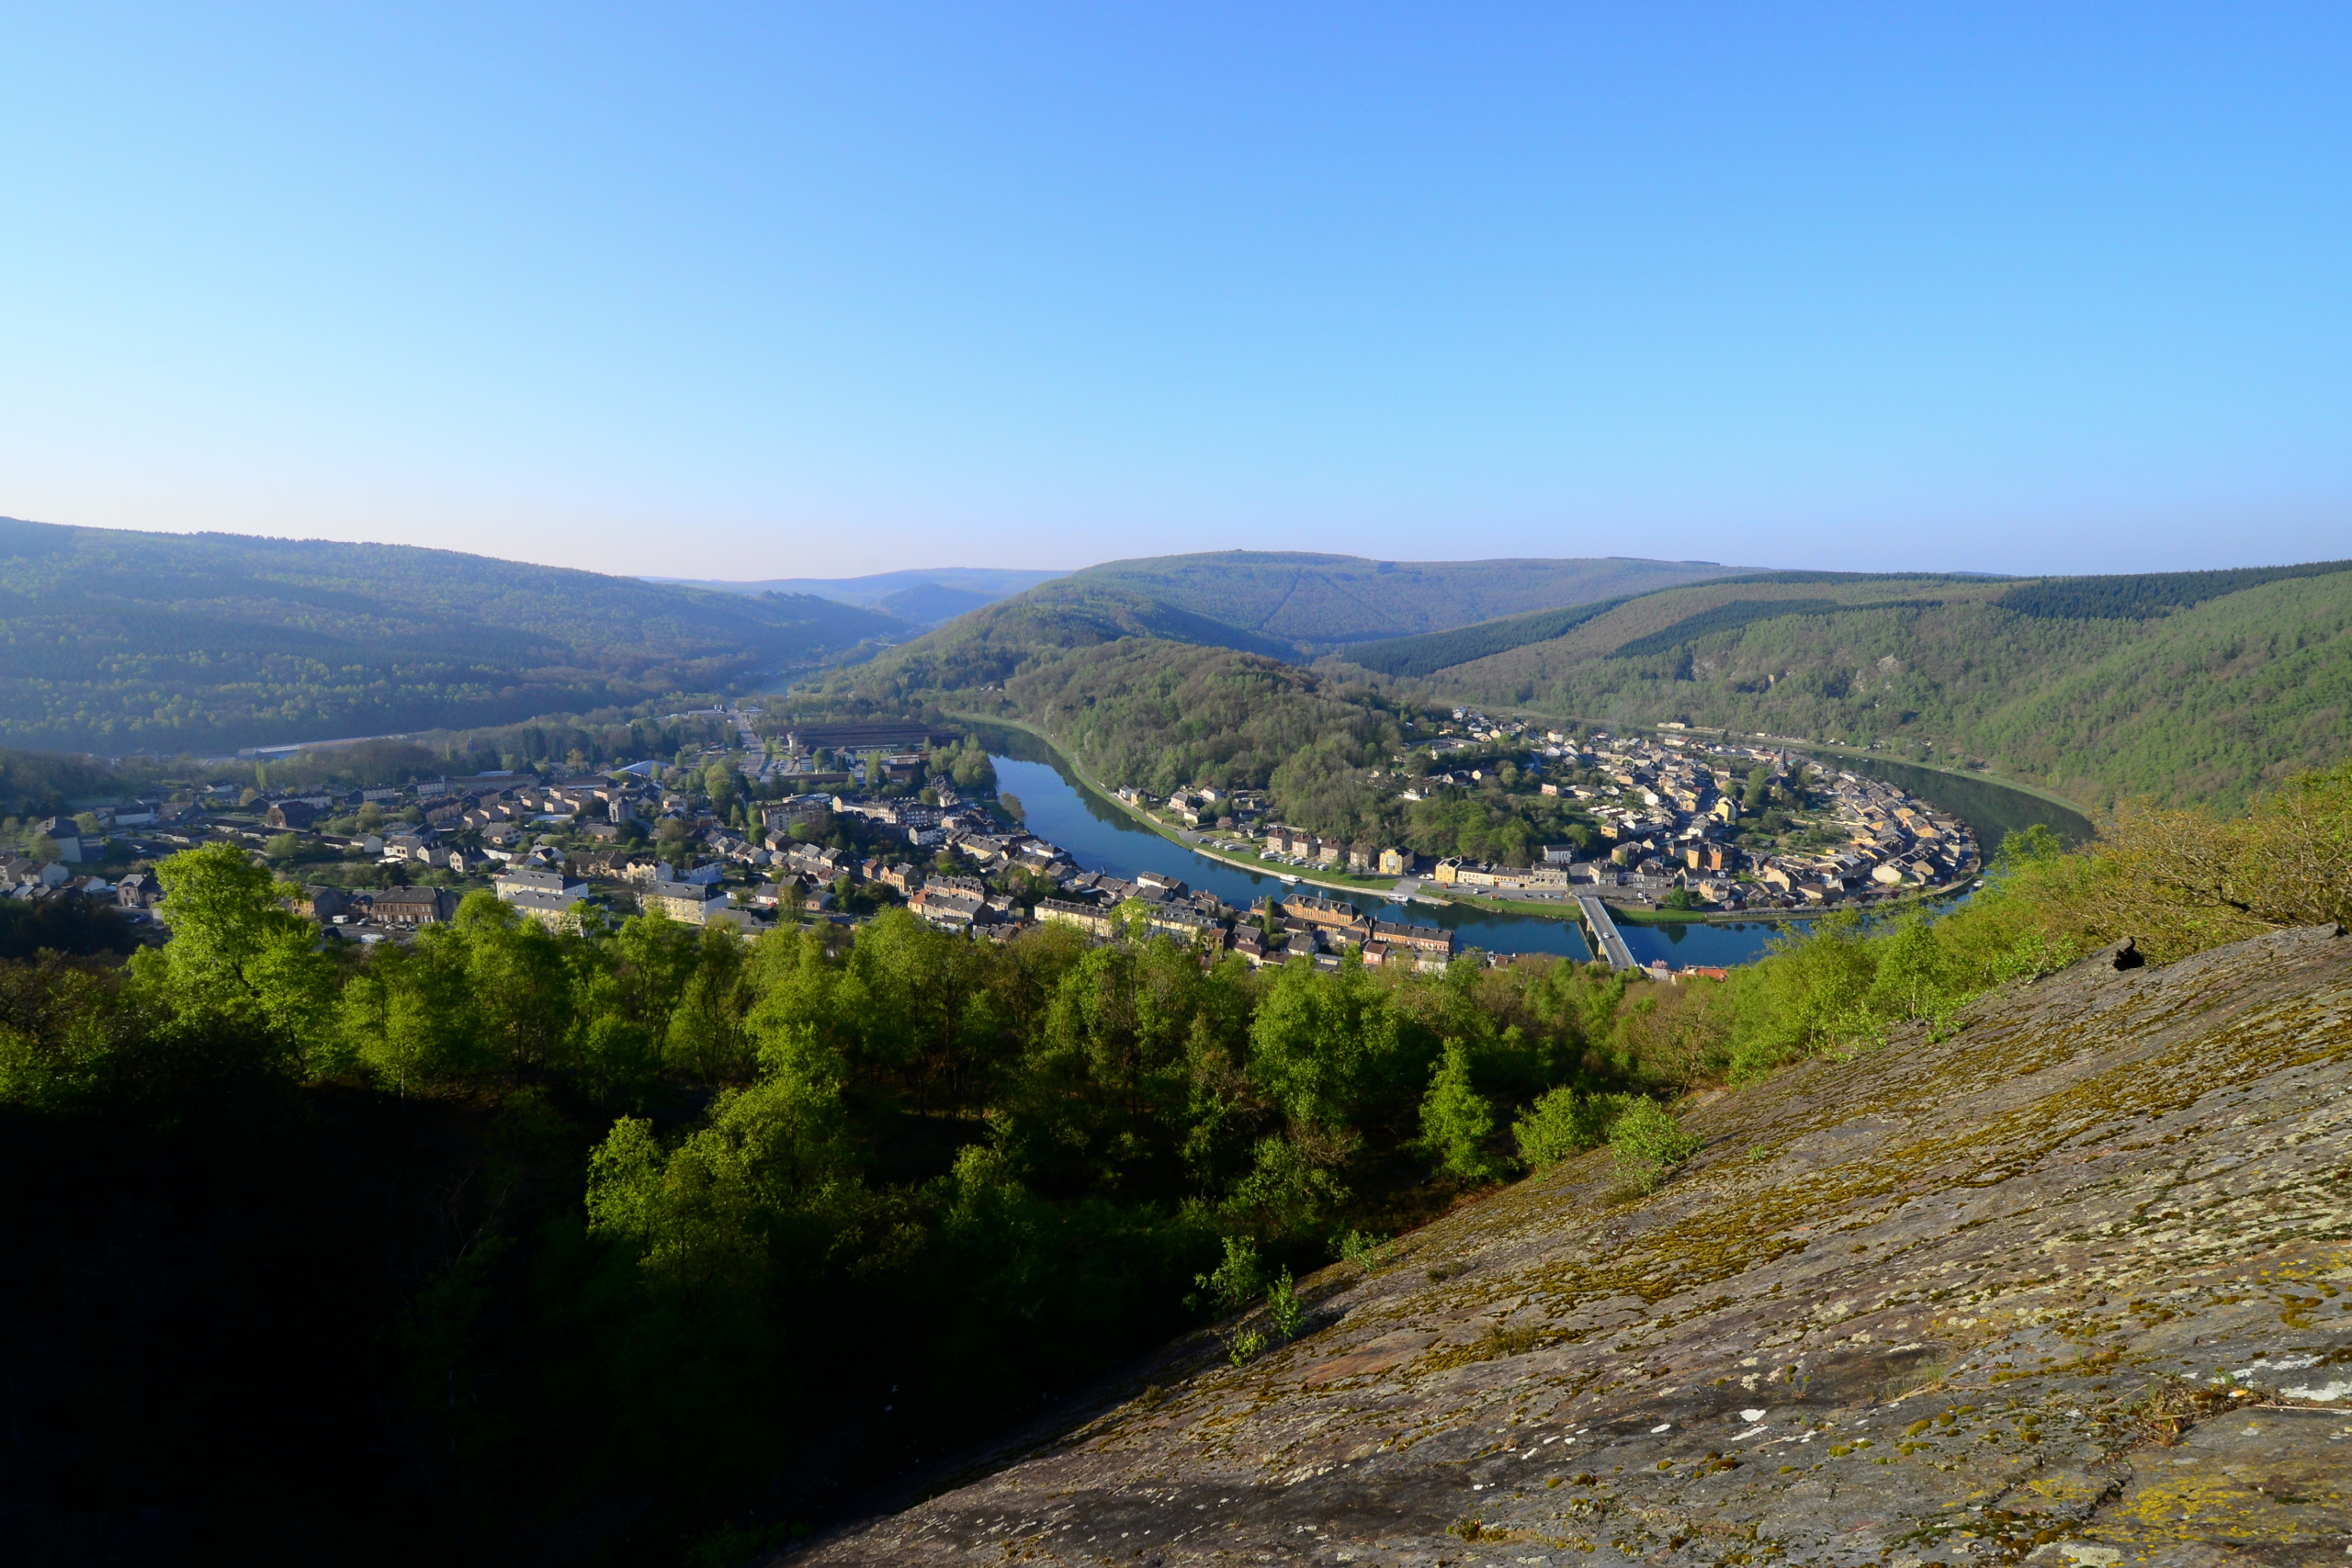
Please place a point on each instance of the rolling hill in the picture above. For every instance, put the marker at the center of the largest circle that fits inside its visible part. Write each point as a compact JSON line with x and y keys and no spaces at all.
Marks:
{"x":988,"y":583}
{"x":1282,"y":606}
{"x":116,"y":641}
{"x":1318,"y":601}
{"x":2187,"y":685}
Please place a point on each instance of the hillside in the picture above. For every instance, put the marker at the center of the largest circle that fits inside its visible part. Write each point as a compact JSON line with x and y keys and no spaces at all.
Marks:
{"x":115,"y":641}
{"x":990,"y":646}
{"x":1313,"y":600}
{"x":988,"y":583}
{"x":2064,"y":1282}
{"x":447,"y":1251}
{"x":1275,"y":606}
{"x":2190,"y":686}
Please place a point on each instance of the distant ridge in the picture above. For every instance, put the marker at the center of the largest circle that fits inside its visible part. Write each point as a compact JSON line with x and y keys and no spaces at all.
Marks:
{"x":115,"y":641}
{"x":988,"y":581}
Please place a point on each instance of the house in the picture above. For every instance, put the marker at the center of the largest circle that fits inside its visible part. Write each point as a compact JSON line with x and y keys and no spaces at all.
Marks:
{"x":1431,"y":940}
{"x":135,"y":891}
{"x":1327,"y":914}
{"x":1085,"y":916}
{"x":554,"y":883}
{"x":1393,"y":862}
{"x":552,"y":910}
{"x":786,"y":815}
{"x":951,"y":909}
{"x":320,"y":902}
{"x":413,"y":905}
{"x":693,"y":902}
{"x":1188,"y":926}
{"x":1449,"y":871}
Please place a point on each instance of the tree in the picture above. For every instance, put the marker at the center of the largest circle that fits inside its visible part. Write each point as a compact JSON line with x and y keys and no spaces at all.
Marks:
{"x":237,"y":954}
{"x":1456,"y":1121}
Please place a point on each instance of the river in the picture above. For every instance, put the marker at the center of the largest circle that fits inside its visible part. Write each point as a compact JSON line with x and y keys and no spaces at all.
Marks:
{"x":1101,"y":836}
{"x":1991,"y":811}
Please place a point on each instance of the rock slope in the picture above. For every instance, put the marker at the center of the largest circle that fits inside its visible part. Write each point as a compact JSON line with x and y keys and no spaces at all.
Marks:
{"x":2071,"y":1286}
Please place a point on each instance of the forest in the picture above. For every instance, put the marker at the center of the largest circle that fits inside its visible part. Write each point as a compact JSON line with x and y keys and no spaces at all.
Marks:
{"x":659,"y":1244}
{"x":2186,"y":687}
{"x":120,"y":642}
{"x":1433,"y":651}
{"x":2199,"y":687}
{"x":1311,"y":601}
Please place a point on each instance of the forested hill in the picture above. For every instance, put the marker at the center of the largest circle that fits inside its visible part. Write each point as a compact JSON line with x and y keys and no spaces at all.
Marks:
{"x":115,"y":641}
{"x":2187,"y":685}
{"x":1281,"y":606}
{"x":1313,"y":600}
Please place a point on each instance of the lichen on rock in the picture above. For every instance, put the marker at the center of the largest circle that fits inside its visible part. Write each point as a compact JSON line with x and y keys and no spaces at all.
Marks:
{"x":2071,"y":1283}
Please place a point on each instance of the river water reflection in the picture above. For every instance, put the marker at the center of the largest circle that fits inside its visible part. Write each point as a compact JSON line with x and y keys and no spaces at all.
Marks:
{"x":1101,"y":836}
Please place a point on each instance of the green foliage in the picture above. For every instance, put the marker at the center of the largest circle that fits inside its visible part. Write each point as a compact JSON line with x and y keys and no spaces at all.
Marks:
{"x":1563,"y":1124}
{"x":1433,"y":651}
{"x":1457,"y":1122}
{"x":660,"y":1213}
{"x":237,"y":957}
{"x":2077,"y":684}
{"x":2139,"y":596}
{"x":1648,"y":1142}
{"x":1235,"y":1282}
{"x":118,"y":640}
{"x":1721,"y":618}
{"x":1284,"y":1311}
{"x":1305,"y":598}
{"x":76,"y":927}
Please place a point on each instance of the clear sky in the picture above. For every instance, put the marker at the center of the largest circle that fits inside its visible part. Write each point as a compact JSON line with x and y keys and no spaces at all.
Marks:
{"x":779,"y":291}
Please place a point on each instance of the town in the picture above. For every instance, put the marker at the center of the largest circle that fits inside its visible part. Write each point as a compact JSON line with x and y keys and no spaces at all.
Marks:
{"x":835,"y":821}
{"x":1670,"y":823}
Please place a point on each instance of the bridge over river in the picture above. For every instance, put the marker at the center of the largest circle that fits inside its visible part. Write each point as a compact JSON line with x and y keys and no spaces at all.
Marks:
{"x":1606,"y":939}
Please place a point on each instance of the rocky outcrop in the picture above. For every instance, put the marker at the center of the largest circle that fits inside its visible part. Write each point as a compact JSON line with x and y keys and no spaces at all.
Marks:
{"x":2071,"y":1286}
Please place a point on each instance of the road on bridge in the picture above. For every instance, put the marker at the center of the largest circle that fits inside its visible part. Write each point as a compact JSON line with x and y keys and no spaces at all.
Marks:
{"x":1605,"y":939}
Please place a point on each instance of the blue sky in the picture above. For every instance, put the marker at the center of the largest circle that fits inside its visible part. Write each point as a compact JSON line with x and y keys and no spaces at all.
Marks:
{"x":778,"y":291}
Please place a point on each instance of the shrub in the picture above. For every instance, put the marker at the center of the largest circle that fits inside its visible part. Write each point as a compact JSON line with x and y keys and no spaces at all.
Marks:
{"x":1456,"y":1121}
{"x":1648,"y":1142}
{"x":1563,"y":1124}
{"x":1235,"y":1282}
{"x":1284,"y":1311}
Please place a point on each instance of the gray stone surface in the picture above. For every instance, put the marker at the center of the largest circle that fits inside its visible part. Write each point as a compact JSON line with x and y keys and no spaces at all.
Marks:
{"x":2073,"y":1286}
